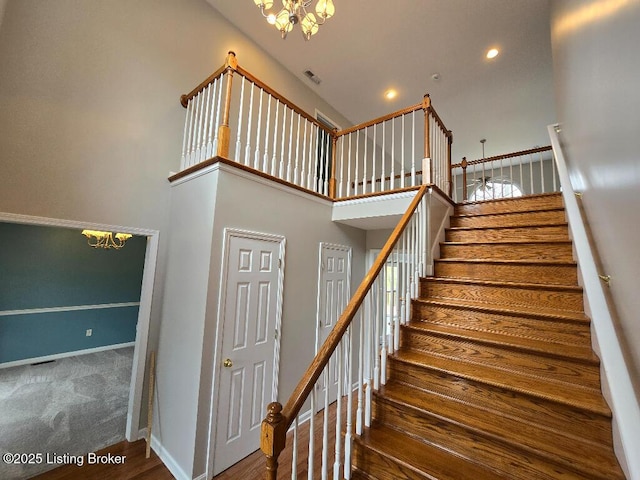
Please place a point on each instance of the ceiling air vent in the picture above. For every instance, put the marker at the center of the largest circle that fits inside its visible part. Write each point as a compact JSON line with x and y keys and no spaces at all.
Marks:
{"x":312,"y":76}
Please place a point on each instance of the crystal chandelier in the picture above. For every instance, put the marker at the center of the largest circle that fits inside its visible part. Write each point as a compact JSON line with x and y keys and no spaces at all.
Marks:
{"x":294,"y":12}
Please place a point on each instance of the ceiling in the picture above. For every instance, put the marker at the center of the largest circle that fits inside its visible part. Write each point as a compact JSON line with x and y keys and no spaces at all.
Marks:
{"x":370,"y":46}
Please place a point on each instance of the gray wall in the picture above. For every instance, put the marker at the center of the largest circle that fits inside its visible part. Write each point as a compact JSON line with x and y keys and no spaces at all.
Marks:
{"x":90,"y":120}
{"x":596,"y":70}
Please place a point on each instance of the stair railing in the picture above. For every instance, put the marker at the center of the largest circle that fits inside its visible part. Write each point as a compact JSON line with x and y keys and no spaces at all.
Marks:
{"x":526,"y":172}
{"x":367,"y":330}
{"x":381,"y":154}
{"x":234,"y":115}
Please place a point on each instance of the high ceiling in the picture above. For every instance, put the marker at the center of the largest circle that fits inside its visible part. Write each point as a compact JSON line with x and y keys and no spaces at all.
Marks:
{"x":370,"y":46}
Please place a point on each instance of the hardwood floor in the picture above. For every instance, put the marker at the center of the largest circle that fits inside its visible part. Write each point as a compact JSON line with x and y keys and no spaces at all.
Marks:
{"x":137,"y":467}
{"x":134,"y":467}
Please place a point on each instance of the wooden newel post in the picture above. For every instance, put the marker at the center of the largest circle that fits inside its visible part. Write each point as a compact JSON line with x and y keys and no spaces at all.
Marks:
{"x":427,"y":164}
{"x":332,"y":178}
{"x":273,"y":438}
{"x":463,"y":164}
{"x":224,"y":134}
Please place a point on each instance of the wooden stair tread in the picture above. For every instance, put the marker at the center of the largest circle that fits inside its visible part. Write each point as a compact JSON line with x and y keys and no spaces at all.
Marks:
{"x":558,"y":372}
{"x":503,"y":431}
{"x":511,"y":227}
{"x":516,"y":212}
{"x":572,"y":395}
{"x":510,"y":242}
{"x":520,"y":310}
{"x":535,"y":286}
{"x":420,"y":460}
{"x":532,"y":345}
{"x":506,"y":261}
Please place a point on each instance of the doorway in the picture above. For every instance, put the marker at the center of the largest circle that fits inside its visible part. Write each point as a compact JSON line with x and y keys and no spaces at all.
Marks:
{"x":247,"y":361}
{"x":144,"y":309}
{"x":334,"y":278}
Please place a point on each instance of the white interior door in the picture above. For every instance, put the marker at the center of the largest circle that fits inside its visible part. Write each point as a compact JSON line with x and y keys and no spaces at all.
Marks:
{"x":248,"y":356}
{"x":333,"y":296}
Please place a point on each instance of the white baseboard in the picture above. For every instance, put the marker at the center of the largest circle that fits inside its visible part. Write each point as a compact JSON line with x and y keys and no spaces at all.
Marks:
{"x":166,"y":458}
{"x":57,"y":356}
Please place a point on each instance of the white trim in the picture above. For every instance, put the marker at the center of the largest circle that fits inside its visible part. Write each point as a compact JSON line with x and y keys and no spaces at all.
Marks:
{"x":166,"y":457}
{"x":378,"y":198}
{"x":228,"y":233}
{"x":193,"y":175}
{"x":622,"y":399}
{"x":31,"y":311}
{"x":144,"y":312}
{"x":57,"y":356}
{"x":326,"y":117}
{"x":238,"y":172}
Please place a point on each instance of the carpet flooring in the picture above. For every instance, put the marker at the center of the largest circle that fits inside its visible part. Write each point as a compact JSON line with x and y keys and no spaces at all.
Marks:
{"x":72,"y":406}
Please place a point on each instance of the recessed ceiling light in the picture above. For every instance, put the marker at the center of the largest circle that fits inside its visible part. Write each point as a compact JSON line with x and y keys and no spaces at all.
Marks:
{"x":390,"y":94}
{"x":493,"y":53}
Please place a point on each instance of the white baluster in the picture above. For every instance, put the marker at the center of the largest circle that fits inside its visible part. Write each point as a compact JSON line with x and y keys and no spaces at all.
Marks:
{"x":338,"y":436}
{"x":373,"y":163}
{"x":364,"y":164}
{"x":303,"y":170}
{"x":381,"y":338}
{"x":183,"y":158}
{"x":194,"y":131}
{"x":376,"y":333}
{"x":294,"y":455}
{"x":311,"y":169}
{"x":348,"y":437}
{"x":553,"y":172}
{"x":356,"y":177}
{"x":327,"y":163}
{"x":361,"y":374}
{"x":325,"y":426}
{"x":274,"y":161}
{"x":204,"y":152}
{"x":247,"y":152}
{"x":284,"y":126}
{"x":215,"y":138}
{"x":256,"y":158}
{"x":511,"y":174}
{"x":402,"y":171}
{"x":312,"y":434}
{"x":383,"y":175}
{"x":341,"y":179}
{"x":370,"y":354}
{"x":541,"y":173}
{"x":531,"y":173}
{"x":413,"y":149}
{"x":200,"y":120}
{"x":265,"y":156}
{"x":296,"y":170}
{"x":238,"y":154}
{"x":348,"y":192}
{"x":397,"y":276}
{"x":289,"y":164}
{"x":217,"y":83}
{"x":392,"y":180}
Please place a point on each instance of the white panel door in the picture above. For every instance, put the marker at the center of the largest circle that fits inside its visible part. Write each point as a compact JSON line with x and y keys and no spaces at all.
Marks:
{"x":248,"y":370}
{"x":333,"y":296}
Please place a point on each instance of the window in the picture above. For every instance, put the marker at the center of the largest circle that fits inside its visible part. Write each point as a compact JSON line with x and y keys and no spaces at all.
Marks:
{"x":493,"y":188}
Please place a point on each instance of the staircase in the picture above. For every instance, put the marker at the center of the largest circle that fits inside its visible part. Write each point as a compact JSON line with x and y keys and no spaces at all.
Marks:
{"x":495,"y":377}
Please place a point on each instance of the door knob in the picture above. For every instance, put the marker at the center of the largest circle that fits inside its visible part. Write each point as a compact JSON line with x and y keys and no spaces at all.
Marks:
{"x":227,"y":363}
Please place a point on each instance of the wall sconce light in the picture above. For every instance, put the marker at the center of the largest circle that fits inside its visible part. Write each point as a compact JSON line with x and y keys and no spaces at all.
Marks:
{"x":99,"y":239}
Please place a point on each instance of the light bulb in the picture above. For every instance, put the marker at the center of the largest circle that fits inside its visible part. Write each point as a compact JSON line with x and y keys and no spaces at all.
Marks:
{"x":325,"y":8}
{"x":271,"y":18}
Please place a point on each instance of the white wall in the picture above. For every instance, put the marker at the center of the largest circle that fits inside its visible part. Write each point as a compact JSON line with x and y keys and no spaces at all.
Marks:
{"x":90,"y":119}
{"x":245,"y":203}
{"x":596,"y":70}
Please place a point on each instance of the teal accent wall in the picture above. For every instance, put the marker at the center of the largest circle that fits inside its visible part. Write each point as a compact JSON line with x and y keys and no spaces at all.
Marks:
{"x":53,"y":267}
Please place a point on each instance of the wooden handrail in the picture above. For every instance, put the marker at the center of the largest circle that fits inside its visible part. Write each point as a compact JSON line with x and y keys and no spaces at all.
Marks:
{"x":384,"y":118}
{"x":502,"y":157}
{"x":279,"y":419}
{"x":184,"y":99}
{"x":439,"y":121}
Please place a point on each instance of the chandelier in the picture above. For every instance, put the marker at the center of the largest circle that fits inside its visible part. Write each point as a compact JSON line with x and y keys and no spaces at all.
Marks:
{"x":105,"y":239}
{"x":294,"y":12}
